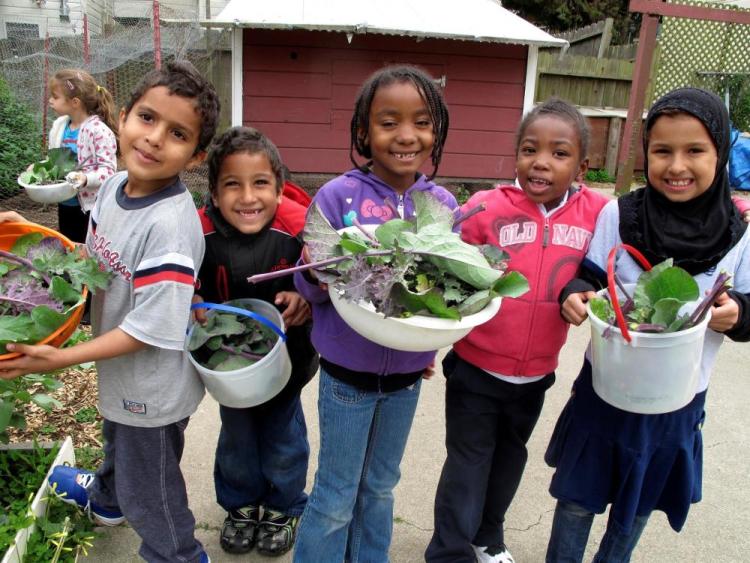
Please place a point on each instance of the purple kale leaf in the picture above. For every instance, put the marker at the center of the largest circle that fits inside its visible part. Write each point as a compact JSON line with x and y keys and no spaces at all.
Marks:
{"x":50,"y":256}
{"x":366,"y":281}
{"x":48,"y":249}
{"x":20,"y":292}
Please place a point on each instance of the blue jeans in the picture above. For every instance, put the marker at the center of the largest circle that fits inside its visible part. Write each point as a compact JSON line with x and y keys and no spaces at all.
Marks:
{"x":262,"y":456}
{"x":362,"y":438}
{"x":570,"y":533}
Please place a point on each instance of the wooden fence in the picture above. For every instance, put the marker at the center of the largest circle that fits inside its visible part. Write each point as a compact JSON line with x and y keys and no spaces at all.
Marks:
{"x":595,"y":76}
{"x":584,"y":80}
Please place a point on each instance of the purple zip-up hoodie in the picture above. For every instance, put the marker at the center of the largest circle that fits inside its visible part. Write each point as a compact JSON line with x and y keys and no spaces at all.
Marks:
{"x":361,"y":195}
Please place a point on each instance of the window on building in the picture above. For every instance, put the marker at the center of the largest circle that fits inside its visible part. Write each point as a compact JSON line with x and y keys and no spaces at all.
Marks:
{"x":14,"y":30}
{"x":64,"y":11}
{"x":130,"y":21}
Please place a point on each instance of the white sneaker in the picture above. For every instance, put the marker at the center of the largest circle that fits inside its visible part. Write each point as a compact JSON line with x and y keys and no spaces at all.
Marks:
{"x":492,"y":554}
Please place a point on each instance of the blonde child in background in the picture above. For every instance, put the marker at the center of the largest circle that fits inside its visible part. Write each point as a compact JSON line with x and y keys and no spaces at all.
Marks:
{"x":87,"y":127}
{"x":497,"y":376}
{"x":368,"y":393}
{"x":638,"y":463}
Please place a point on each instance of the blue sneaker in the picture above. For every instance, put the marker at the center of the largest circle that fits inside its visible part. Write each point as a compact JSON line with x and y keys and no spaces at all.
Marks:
{"x":71,"y":485}
{"x":205,"y":558}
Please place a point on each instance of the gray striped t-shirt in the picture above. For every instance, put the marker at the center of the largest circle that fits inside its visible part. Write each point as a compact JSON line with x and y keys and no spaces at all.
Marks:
{"x":154,"y":246}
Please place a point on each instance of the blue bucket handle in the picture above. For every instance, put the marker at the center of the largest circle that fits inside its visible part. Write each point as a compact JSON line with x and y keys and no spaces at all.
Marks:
{"x":240,"y":311}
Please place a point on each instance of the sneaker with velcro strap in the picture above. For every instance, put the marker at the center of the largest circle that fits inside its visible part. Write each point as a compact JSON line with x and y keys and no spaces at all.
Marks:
{"x":239,"y":529}
{"x":276,"y":533}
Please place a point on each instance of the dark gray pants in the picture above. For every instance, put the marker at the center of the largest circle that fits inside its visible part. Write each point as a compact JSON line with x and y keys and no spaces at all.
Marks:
{"x":141,"y":477}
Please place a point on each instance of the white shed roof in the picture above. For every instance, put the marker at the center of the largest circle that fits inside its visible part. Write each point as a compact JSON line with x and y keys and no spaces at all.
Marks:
{"x":470,"y":20}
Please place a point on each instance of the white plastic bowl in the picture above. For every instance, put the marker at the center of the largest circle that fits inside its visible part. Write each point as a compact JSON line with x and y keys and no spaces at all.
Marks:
{"x":49,"y":193}
{"x":419,"y":333}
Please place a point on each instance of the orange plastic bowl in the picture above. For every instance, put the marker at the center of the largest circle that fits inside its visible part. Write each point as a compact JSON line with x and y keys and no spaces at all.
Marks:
{"x":9,"y":232}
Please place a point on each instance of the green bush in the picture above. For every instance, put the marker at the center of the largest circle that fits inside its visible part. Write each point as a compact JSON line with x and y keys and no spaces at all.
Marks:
{"x":739,"y":105}
{"x":461,"y":193}
{"x":20,"y":140}
{"x":601,"y":176}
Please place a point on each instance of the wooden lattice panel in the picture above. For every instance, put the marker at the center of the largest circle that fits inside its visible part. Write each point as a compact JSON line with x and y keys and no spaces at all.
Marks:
{"x":689,"y":47}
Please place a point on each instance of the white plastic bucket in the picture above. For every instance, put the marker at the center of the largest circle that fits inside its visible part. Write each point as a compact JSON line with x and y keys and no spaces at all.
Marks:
{"x":256,"y":384}
{"x":651,"y":374}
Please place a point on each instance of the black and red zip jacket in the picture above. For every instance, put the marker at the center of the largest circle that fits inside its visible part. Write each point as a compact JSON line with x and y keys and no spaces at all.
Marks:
{"x":231,"y":257}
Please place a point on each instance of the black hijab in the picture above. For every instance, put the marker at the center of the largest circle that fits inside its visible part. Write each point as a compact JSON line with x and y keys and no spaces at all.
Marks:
{"x":696,"y":233}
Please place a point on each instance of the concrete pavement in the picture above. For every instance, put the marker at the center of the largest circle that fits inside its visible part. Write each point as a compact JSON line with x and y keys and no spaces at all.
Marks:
{"x":716,"y":531}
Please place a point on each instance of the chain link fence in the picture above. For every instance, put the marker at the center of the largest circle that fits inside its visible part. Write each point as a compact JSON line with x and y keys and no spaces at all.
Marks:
{"x":118,"y":58}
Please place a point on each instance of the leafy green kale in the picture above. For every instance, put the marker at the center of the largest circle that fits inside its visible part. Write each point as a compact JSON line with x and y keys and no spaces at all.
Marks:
{"x":228,"y":342}
{"x":409,"y":267}
{"x":41,"y":282}
{"x":657,"y":299}
{"x":51,"y":170}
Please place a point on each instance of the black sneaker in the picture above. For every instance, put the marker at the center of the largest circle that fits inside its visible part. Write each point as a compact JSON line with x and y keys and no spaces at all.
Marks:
{"x":239,"y":530}
{"x":276,"y":533}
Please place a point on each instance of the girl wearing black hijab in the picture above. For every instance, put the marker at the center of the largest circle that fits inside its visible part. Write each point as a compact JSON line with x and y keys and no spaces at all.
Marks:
{"x":638,"y":463}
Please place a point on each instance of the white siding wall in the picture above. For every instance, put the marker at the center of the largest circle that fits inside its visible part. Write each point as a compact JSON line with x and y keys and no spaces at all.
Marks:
{"x":170,"y":8}
{"x":46,"y":15}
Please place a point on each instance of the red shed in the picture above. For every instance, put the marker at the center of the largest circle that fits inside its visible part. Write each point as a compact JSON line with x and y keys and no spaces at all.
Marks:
{"x":297,"y":66}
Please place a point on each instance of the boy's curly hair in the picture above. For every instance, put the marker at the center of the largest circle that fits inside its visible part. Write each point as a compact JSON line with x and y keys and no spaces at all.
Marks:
{"x":557,"y":107}
{"x":243,"y":140}
{"x":182,"y":79}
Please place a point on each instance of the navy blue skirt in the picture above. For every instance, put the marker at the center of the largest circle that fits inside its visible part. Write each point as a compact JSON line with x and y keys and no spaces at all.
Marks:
{"x":635,"y":462}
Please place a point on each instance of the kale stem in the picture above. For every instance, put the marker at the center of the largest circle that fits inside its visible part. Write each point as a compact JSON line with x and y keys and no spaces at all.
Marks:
{"x":24,"y":262}
{"x":392,"y":206}
{"x":470,"y":213}
{"x":720,"y":286}
{"x":236,"y":352}
{"x":257,"y":278}
{"x":621,"y":287}
{"x":361,"y":227}
{"x":648,"y":327}
{"x":26,"y":304}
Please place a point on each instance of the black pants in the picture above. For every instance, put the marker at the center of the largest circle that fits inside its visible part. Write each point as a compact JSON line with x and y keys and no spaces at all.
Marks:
{"x":73,"y":222}
{"x":488,"y":422}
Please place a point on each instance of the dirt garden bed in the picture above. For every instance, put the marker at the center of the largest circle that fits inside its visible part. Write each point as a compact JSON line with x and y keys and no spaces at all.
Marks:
{"x":77,"y":417}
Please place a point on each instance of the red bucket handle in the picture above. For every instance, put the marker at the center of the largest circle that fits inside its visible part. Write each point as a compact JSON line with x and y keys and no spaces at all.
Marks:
{"x":612,"y":285}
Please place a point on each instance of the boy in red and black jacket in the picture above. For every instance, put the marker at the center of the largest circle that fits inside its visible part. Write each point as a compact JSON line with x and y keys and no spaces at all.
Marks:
{"x":252,"y":225}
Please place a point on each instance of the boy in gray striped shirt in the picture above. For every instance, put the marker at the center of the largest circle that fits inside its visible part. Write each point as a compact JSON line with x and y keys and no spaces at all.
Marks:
{"x":145,"y":230}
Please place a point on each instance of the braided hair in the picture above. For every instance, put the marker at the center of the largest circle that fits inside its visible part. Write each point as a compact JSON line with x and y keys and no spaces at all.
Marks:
{"x":430,"y":94}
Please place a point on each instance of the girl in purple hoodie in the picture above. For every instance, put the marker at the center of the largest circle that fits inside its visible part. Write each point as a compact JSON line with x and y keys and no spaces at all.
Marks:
{"x":368,"y":393}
